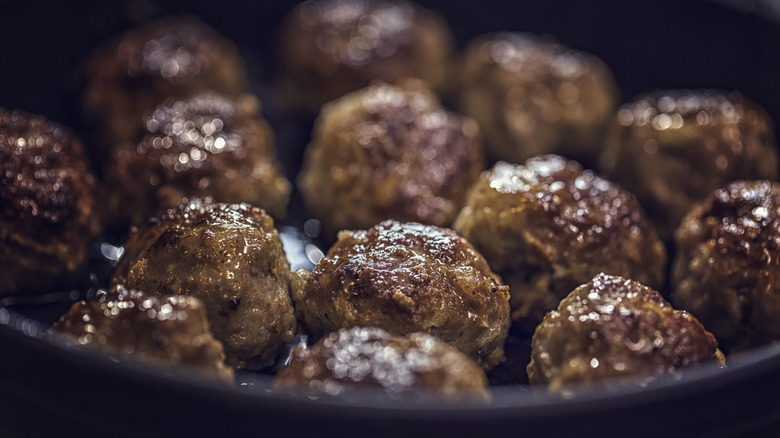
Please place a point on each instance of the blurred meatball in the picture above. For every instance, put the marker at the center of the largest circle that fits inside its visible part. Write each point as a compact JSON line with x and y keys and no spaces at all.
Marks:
{"x":673,"y":148}
{"x":406,"y":278}
{"x":549,"y":226}
{"x":164,"y":330}
{"x":417,"y":365}
{"x":332,"y":47}
{"x":727,"y":270}
{"x":170,"y":58}
{"x":50,"y":204}
{"x":612,"y":328}
{"x":387,"y":152}
{"x":229,"y":256}
{"x":534,"y":96}
{"x":206,"y":145}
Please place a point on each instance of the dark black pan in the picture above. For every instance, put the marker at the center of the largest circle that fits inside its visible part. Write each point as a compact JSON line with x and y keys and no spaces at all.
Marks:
{"x":48,"y":388}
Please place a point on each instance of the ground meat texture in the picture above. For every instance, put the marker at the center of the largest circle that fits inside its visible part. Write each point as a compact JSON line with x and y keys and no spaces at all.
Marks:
{"x":161,"y":330}
{"x":406,"y":278}
{"x":548,"y":226}
{"x":673,"y":148}
{"x":332,"y":47}
{"x":534,"y":96}
{"x":231,"y":258}
{"x":50,"y":204}
{"x":727,"y":271}
{"x":613,"y":328}
{"x":418,"y":365}
{"x":205,"y":145}
{"x":389,"y":152}
{"x":171,"y":58}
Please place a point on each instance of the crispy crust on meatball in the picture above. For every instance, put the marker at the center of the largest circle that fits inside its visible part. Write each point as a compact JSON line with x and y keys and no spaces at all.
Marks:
{"x":406,"y":278}
{"x":549,"y":226}
{"x":613,"y":328}
{"x":230,"y":257}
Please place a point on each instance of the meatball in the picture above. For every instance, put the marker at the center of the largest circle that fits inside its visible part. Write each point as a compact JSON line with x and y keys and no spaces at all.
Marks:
{"x":549,"y":226}
{"x":170,"y":58}
{"x":50,"y":204}
{"x":533,"y":96}
{"x":387,"y":152}
{"x":161,"y":330}
{"x":727,"y":269}
{"x":673,"y":148}
{"x":229,"y":256}
{"x":332,"y":47}
{"x":205,"y":145}
{"x":406,"y":278}
{"x":613,"y":328}
{"x":417,"y":365}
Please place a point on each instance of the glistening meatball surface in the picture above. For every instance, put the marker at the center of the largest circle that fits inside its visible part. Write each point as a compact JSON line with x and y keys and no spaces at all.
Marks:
{"x":727,"y":270}
{"x":174,"y":57}
{"x":612,"y":328}
{"x":230,"y":257}
{"x":162,"y":330}
{"x":534,"y":96}
{"x":548,"y":226}
{"x":389,"y":152}
{"x":673,"y":148}
{"x":205,"y":145}
{"x":332,"y":47}
{"x":417,"y":365}
{"x":406,"y":278}
{"x":50,"y":204}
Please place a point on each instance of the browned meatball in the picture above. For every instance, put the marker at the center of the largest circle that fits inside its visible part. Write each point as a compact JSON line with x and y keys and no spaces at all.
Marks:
{"x":727,"y":269}
{"x":534,"y":96}
{"x":417,"y":365}
{"x":673,"y":148}
{"x":206,"y":145}
{"x":164,"y":330}
{"x":170,"y":58}
{"x":50,"y":204}
{"x":332,"y":47}
{"x":406,"y":278}
{"x":387,"y":152}
{"x":229,"y":256}
{"x":613,"y":328}
{"x":549,"y":226}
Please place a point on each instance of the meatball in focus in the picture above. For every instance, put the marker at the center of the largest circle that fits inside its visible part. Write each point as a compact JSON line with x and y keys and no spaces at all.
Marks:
{"x":230,"y":257}
{"x":332,"y":47}
{"x":533,"y":96}
{"x":406,"y":278}
{"x":727,"y":269}
{"x":164,"y":330}
{"x":612,"y":328}
{"x":549,"y":226}
{"x":205,"y":145}
{"x":417,"y":365}
{"x":387,"y":152}
{"x":171,"y":58}
{"x":673,"y":148}
{"x":50,"y":204}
